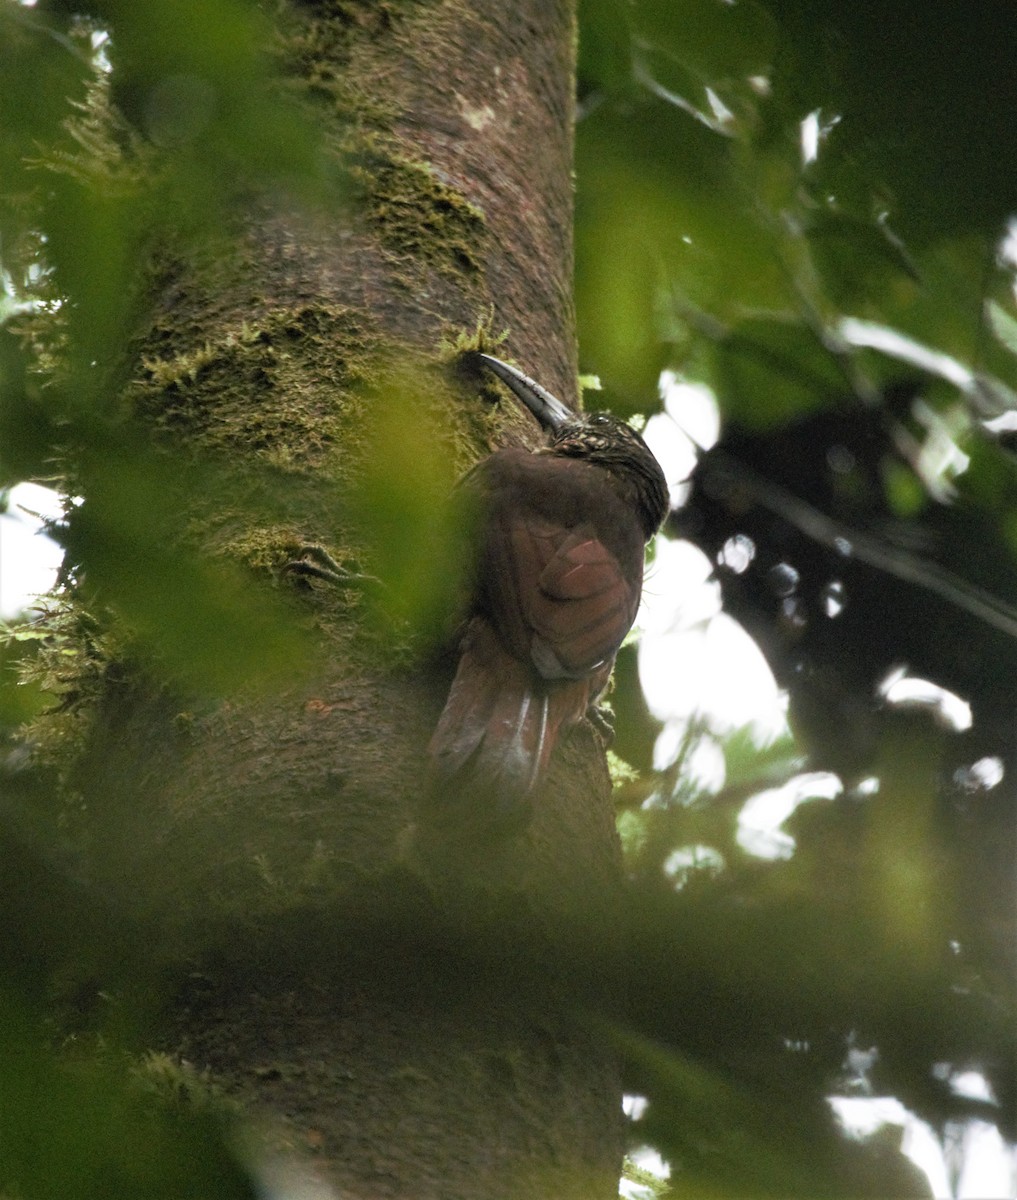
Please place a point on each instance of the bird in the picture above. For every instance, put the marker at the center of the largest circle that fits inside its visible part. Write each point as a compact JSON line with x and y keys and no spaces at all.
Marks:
{"x":556,"y":581}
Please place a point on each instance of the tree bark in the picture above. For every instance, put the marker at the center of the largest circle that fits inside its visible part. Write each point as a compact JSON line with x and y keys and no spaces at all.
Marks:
{"x":397,"y":1013}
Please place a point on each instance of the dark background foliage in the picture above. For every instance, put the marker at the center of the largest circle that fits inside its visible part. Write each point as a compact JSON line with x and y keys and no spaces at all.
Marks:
{"x":848,"y":307}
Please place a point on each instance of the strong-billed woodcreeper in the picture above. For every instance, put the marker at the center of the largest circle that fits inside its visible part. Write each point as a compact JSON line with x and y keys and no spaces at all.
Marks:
{"x":556,"y":584}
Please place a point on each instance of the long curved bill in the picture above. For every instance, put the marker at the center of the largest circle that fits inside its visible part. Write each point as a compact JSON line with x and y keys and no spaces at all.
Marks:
{"x":548,"y":409}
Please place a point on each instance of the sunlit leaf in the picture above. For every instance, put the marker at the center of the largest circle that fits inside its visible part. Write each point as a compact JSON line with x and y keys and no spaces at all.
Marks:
{"x":1003,"y":325}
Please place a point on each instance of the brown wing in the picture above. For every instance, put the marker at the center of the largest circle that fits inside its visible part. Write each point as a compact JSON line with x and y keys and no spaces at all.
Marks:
{"x":552,"y":605}
{"x":557,"y":595}
{"x":582,"y":608}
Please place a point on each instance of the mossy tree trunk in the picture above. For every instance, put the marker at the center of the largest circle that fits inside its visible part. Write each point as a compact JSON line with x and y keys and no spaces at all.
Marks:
{"x":272,"y":841}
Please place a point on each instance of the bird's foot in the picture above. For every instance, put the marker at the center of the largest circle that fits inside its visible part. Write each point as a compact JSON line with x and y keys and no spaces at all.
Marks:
{"x":315,"y":562}
{"x":601,"y":717}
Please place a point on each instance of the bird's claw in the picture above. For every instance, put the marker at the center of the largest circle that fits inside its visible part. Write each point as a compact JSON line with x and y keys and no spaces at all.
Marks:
{"x":601,"y":717}
{"x":315,"y":562}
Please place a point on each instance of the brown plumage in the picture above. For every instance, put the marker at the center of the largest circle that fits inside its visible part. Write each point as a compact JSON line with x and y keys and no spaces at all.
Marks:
{"x":558,"y":577}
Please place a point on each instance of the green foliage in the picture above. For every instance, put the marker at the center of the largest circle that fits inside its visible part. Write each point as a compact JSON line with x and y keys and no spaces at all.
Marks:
{"x":109,"y":170}
{"x":404,"y":508}
{"x":90,"y":193}
{"x":821,"y":947}
{"x":771,"y":369}
{"x":83,"y":1125}
{"x":805,"y":207}
{"x":19,"y":704}
{"x":700,"y":212}
{"x":796,"y":285}
{"x":732,"y":1135}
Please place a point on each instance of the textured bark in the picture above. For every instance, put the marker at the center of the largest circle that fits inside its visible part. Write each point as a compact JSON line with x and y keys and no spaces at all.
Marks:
{"x":335,"y":984}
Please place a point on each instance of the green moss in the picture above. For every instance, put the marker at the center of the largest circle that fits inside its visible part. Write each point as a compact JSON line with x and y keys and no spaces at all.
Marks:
{"x":288,"y":885}
{"x":415,"y":213}
{"x":225,"y":395}
{"x":314,"y":49}
{"x":315,"y":76}
{"x":481,"y":339}
{"x":71,"y":665}
{"x":177,"y":1085}
{"x":419,"y":218}
{"x":263,"y":548}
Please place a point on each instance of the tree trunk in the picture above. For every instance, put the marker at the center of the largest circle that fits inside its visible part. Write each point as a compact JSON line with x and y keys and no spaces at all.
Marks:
{"x":383,"y":1006}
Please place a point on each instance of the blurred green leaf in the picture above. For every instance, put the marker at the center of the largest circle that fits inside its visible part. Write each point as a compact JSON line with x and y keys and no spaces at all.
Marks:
{"x":921,"y":92}
{"x":75,"y":1127}
{"x":768,"y":370}
{"x":648,"y":251}
{"x":605,"y":49}
{"x":718,"y":41}
{"x":26,"y":435}
{"x":44,"y":70}
{"x":20,"y":701}
{"x":195,"y":77}
{"x":212,"y":127}
{"x":207,"y":622}
{"x":727,"y":1134}
{"x":1003,"y":325}
{"x":904,"y":491}
{"x":95,"y":228}
{"x":860,"y":264}
{"x":406,"y":510}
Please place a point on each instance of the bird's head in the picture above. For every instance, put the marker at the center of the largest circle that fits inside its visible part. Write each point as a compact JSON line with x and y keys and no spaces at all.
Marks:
{"x":598,"y":438}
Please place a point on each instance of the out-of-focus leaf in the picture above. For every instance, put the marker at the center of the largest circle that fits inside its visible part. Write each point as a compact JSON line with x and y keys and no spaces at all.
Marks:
{"x":44,"y":69}
{"x":205,"y":621}
{"x":605,"y":47}
{"x":818,"y":946}
{"x":727,"y":1134}
{"x":767,"y":371}
{"x":95,"y":233}
{"x":19,"y":701}
{"x":195,"y":78}
{"x":947,"y":312}
{"x":923,"y":92}
{"x":860,"y":263}
{"x":415,"y":526}
{"x":26,"y":436}
{"x":648,"y":250}
{"x":718,"y":41}
{"x":884,"y":356}
{"x":1003,"y":325}
{"x":79,"y":1128}
{"x":635,"y":729}
{"x":695,"y":44}
{"x":904,"y":492}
